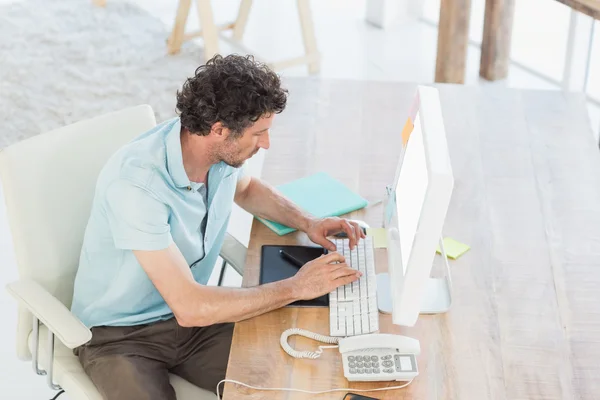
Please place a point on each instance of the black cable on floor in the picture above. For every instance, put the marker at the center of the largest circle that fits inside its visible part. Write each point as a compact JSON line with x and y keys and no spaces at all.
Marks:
{"x":57,"y":394}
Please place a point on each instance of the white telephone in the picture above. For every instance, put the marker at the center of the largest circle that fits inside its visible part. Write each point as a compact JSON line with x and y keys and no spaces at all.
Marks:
{"x":371,"y":357}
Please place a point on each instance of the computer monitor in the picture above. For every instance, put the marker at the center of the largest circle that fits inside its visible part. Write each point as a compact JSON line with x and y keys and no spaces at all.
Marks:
{"x":414,"y":214}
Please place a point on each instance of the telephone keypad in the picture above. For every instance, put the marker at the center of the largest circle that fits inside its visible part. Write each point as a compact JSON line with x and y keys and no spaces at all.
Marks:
{"x":370,"y":364}
{"x":383,"y":366}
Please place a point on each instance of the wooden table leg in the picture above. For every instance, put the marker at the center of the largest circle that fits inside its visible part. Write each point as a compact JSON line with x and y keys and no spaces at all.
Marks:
{"x":497,"y":33}
{"x":308,"y":36}
{"x":176,"y":38}
{"x":242,"y":19}
{"x":453,"y":37}
{"x":209,"y":29}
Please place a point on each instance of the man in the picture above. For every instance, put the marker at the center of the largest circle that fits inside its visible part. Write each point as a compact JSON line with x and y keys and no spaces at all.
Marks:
{"x":160,"y":212}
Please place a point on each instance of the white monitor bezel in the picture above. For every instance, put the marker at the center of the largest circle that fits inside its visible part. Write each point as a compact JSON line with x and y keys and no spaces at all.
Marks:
{"x":408,"y":290}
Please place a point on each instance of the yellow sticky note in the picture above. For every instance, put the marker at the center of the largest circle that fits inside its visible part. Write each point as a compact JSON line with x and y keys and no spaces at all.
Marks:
{"x":379,"y":237}
{"x":406,"y":131}
{"x":454,"y":249}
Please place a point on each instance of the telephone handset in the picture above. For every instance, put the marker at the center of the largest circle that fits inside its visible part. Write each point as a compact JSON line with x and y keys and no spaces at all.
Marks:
{"x":371,"y":357}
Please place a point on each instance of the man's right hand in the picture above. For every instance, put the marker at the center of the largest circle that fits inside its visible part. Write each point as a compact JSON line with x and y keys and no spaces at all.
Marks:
{"x":322,"y":275}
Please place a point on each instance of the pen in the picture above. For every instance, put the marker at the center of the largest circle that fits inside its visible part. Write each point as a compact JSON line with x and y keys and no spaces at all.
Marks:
{"x":291,"y":258}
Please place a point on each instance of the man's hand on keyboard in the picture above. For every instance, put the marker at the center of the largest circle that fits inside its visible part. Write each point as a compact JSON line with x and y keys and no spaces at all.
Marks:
{"x":322,"y":275}
{"x":319,"y":229}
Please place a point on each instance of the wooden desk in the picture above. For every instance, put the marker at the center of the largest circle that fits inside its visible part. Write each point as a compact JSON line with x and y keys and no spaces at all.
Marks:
{"x":525,"y":323}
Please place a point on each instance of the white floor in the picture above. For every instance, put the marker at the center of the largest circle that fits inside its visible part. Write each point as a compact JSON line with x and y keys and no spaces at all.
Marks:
{"x":351,"y":49}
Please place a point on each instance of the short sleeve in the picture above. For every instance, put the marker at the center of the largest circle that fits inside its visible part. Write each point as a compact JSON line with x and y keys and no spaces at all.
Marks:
{"x":138,"y":220}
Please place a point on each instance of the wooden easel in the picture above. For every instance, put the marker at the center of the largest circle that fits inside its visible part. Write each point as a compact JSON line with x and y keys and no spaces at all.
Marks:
{"x":211,"y":32}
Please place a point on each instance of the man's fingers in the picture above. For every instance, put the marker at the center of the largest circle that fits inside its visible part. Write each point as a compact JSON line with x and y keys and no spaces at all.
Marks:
{"x":326,"y":243}
{"x":359,"y":231}
{"x":336,"y":266}
{"x":334,"y":256}
{"x":346,"y":279}
{"x":347,"y":271}
{"x":350,"y":231}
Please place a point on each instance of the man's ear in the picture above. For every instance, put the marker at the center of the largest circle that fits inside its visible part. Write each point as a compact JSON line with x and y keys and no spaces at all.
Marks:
{"x":218,"y":130}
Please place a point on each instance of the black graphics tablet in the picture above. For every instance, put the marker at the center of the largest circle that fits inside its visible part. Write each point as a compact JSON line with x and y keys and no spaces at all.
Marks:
{"x":275,"y":266}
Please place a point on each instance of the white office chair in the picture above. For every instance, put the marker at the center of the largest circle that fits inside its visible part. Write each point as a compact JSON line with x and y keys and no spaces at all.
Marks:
{"x":48,"y":182}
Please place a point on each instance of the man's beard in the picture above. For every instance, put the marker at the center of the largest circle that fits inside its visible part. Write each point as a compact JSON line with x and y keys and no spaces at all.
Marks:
{"x":234,"y":164}
{"x":234,"y":161}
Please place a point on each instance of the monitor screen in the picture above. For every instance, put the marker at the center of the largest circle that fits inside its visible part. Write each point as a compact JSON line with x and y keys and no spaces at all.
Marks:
{"x":410,"y":190}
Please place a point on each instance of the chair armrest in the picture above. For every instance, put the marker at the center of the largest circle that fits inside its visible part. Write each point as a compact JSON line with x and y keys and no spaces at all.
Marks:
{"x":48,"y":309}
{"x":234,"y":253}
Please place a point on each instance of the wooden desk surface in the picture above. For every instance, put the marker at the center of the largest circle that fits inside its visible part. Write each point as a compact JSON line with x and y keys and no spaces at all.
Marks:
{"x":525,"y":322}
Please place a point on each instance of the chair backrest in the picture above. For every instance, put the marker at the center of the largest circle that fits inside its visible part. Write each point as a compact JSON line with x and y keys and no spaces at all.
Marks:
{"x":48,"y":183}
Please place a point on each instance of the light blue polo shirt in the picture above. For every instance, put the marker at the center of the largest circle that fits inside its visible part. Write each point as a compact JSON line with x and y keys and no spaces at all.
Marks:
{"x":144,"y":200}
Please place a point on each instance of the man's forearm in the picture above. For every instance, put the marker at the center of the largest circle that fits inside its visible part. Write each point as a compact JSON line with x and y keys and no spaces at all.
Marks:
{"x":263,"y":200}
{"x":214,"y":304}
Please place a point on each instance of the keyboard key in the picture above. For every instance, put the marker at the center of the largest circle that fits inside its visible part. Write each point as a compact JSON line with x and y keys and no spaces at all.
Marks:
{"x":352,"y":370}
{"x":374,"y":322}
{"x":362,"y":283}
{"x":367,"y":370}
{"x":357,"y":326}
{"x":360,"y":365}
{"x":365,"y":323}
{"x":361,"y":371}
{"x":349,"y":325}
{"x":352,"y":364}
{"x":374,"y":358}
{"x":376,"y":370}
{"x":364,"y":304}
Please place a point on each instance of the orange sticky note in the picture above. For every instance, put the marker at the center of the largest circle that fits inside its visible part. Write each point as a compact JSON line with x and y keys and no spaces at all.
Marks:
{"x":406,"y":131}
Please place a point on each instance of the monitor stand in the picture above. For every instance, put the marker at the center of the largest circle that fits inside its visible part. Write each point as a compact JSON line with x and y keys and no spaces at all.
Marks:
{"x":438,"y":292}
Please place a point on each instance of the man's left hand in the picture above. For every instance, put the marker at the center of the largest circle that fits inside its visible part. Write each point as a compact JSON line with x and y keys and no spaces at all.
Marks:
{"x":319,"y":229}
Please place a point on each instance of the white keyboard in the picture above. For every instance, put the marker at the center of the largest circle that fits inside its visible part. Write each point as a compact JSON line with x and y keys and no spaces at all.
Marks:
{"x":353,"y":307}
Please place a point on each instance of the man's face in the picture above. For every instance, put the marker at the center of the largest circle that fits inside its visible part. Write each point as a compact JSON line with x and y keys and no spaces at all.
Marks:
{"x":236,"y":151}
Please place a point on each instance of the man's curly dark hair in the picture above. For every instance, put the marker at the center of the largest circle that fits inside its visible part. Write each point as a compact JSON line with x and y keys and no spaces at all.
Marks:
{"x":234,"y":90}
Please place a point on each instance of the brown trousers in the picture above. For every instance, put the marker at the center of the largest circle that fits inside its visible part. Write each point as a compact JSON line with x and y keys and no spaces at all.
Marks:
{"x":133,"y":362}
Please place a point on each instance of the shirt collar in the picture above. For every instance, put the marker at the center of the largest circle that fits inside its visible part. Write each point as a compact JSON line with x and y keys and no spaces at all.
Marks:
{"x":175,"y":163}
{"x":175,"y":157}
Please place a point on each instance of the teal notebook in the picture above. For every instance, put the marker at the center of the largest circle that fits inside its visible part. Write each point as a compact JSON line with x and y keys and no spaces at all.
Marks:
{"x":320,"y":195}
